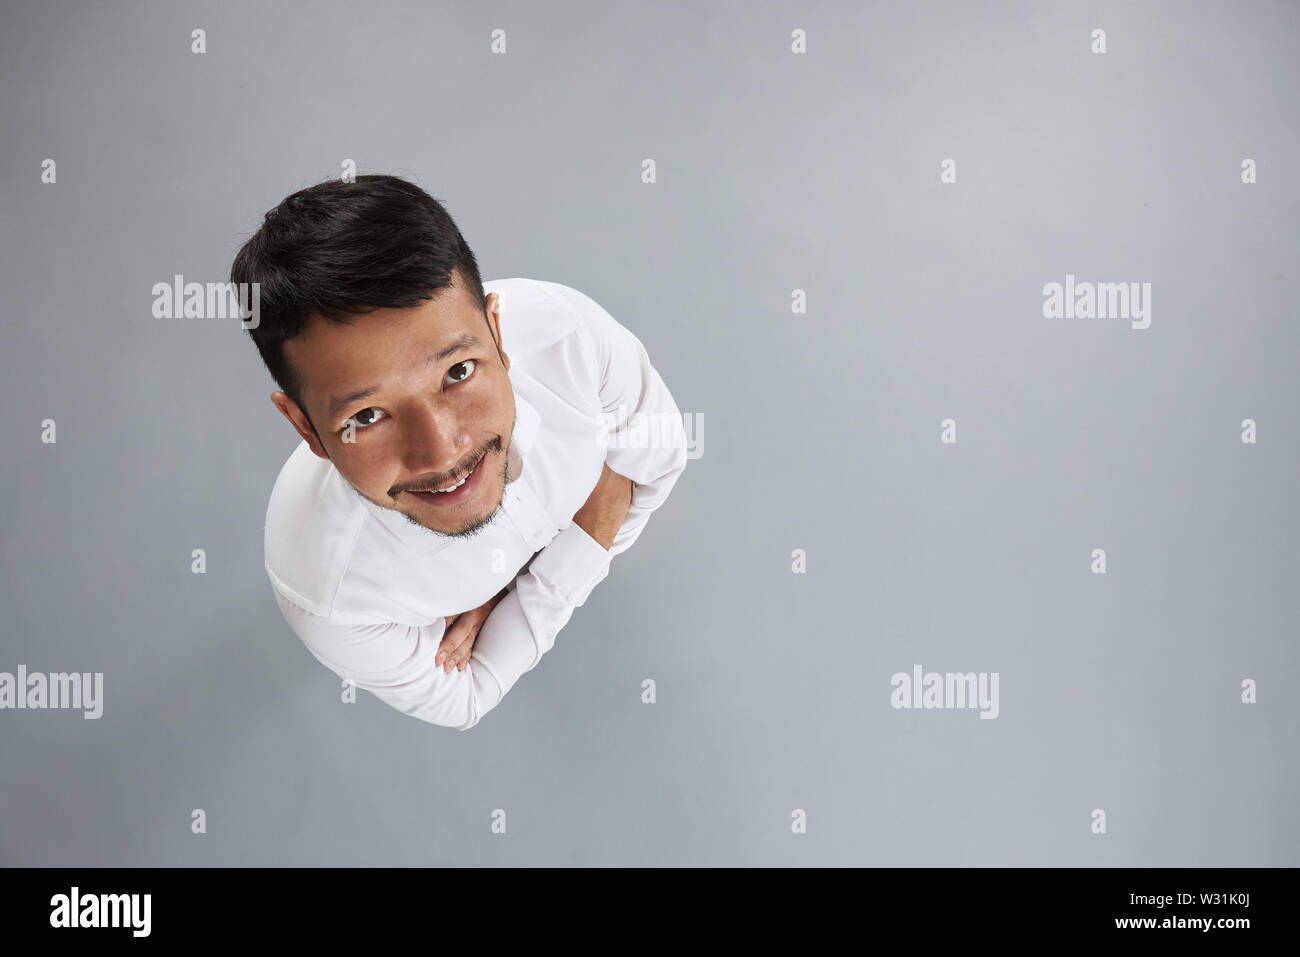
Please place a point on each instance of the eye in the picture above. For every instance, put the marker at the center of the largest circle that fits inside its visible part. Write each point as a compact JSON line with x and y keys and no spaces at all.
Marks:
{"x":464,"y":362}
{"x":364,"y":419}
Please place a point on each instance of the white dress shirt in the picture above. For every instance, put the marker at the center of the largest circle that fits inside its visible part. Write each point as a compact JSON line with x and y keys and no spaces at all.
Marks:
{"x":368,"y":591}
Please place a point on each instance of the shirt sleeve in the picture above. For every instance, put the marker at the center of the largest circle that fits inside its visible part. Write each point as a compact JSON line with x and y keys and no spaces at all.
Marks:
{"x":395,"y":662}
{"x":646,"y":440}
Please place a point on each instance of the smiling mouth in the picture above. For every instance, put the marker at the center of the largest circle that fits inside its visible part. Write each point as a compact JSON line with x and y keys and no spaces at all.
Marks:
{"x":454,"y":485}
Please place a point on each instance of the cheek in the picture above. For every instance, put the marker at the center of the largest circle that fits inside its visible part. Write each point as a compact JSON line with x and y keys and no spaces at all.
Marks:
{"x":370,"y":465}
{"x":485,"y":404}
{"x":488,"y":412}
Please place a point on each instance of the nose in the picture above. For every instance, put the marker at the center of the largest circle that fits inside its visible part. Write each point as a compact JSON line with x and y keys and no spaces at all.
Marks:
{"x":434,"y":443}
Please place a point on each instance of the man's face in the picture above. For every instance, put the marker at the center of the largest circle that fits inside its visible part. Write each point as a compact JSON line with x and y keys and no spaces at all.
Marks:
{"x":417,"y":420}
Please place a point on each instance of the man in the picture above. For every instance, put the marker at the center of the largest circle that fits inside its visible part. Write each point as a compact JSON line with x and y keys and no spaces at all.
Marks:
{"x":464,"y":478}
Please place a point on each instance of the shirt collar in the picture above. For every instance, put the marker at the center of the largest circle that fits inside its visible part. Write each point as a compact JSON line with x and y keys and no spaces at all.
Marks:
{"x":527,"y":424}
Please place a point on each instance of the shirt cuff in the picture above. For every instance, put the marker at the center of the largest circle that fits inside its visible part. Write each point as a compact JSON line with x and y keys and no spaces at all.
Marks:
{"x":573,"y":563}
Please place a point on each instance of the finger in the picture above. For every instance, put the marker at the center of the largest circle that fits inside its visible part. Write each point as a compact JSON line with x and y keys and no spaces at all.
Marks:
{"x":461,"y":649}
{"x":465,"y":650}
{"x":452,"y":636}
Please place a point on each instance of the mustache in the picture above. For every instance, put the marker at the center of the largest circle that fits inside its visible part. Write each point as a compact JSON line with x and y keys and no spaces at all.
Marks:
{"x":453,"y":478}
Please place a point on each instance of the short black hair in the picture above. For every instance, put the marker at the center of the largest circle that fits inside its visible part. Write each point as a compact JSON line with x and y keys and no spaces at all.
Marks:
{"x":341,"y":249}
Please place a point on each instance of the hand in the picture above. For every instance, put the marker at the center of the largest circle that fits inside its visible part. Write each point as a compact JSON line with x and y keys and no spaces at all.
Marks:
{"x":605,"y":510}
{"x":461,"y":631}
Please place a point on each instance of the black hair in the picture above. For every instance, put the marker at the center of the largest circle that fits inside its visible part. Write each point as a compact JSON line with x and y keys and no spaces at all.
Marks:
{"x":341,"y":249}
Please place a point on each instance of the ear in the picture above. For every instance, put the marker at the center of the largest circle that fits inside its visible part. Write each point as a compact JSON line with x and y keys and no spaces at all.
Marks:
{"x":494,"y":325}
{"x":301,"y":424}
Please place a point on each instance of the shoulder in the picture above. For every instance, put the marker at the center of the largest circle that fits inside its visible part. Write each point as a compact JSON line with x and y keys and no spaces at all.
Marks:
{"x":537,"y":313}
{"x":312,"y":525}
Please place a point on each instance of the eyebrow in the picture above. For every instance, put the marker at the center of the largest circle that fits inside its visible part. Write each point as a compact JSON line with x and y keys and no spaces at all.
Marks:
{"x":339,"y":402}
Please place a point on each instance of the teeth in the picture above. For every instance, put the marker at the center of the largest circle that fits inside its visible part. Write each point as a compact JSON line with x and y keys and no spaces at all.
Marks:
{"x":452,"y":488}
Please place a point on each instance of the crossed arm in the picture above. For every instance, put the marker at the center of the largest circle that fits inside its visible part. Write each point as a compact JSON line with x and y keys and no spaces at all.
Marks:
{"x":600,"y":517}
{"x":397,"y":662}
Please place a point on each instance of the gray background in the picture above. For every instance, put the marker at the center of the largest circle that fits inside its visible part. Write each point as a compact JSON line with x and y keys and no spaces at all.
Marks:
{"x":775,"y":172}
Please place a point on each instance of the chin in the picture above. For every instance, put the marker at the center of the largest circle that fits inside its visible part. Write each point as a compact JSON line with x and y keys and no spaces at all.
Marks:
{"x":463,"y":525}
